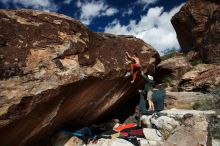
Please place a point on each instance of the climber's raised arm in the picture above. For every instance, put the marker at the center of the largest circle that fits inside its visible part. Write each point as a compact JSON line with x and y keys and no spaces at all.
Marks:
{"x":129,"y":57}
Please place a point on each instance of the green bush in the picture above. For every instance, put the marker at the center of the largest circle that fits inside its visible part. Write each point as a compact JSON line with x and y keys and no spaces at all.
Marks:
{"x":214,"y":126}
{"x":196,"y":62}
{"x":209,"y":104}
{"x":167,"y":79}
{"x":168,"y":54}
{"x":213,"y":104}
{"x":203,"y":105}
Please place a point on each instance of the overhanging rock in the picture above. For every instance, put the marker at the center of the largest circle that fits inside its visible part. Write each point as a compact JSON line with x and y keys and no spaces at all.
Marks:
{"x":54,"y":71}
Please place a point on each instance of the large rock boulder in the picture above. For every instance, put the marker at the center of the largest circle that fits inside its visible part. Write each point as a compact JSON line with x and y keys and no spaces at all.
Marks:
{"x":172,"y":69}
{"x":197,"y":25}
{"x":193,"y":132}
{"x":201,"y":77}
{"x":55,"y":71}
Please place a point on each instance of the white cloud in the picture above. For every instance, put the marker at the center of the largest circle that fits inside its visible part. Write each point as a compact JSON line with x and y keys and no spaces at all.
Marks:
{"x":92,"y":9}
{"x":154,"y":28}
{"x":146,"y":1}
{"x":110,"y":11}
{"x":47,"y":5}
{"x":67,"y":2}
{"x":127,"y":13}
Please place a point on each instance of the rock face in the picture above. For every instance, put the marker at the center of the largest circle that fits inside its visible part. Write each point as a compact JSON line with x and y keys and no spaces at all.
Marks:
{"x":197,"y":25}
{"x":173,"y":67}
{"x":193,"y":131}
{"x":55,"y":71}
{"x":201,"y":77}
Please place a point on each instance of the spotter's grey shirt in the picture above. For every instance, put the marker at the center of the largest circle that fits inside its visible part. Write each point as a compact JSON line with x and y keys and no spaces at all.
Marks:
{"x":148,"y":84}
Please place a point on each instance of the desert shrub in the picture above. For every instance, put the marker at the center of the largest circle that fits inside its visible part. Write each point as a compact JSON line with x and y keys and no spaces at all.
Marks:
{"x":196,"y":62}
{"x":203,"y":105}
{"x":213,"y":104}
{"x":214,"y":126}
{"x":168,"y":55}
{"x":167,"y":79}
{"x":209,"y":104}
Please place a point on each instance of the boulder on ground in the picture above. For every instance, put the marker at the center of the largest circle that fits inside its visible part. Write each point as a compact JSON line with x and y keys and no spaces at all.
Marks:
{"x":202,"y":77}
{"x":153,"y":134}
{"x":193,"y":132}
{"x":174,"y":67}
{"x":164,"y":123}
{"x":197,"y":27}
{"x":54,"y":71}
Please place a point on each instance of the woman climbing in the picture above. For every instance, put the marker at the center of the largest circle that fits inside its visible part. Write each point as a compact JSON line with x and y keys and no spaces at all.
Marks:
{"x":135,"y":67}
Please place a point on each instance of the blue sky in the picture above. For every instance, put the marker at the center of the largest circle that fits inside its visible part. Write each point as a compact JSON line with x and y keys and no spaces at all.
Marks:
{"x":145,"y":19}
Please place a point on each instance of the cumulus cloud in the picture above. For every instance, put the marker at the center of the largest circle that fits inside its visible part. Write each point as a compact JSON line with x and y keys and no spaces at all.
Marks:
{"x":110,"y":11}
{"x":47,"y":5}
{"x":154,"y":28}
{"x":92,"y":9}
{"x":67,"y":2}
{"x":127,"y":13}
{"x":146,"y":1}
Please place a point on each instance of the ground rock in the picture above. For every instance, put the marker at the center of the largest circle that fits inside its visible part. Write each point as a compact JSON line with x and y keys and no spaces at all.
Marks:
{"x":215,"y":142}
{"x":153,"y":134}
{"x":179,"y":113}
{"x":184,"y":100}
{"x":64,"y":139}
{"x":112,"y":142}
{"x":144,"y":142}
{"x":54,"y":71}
{"x":165,"y":123}
{"x":193,"y":132}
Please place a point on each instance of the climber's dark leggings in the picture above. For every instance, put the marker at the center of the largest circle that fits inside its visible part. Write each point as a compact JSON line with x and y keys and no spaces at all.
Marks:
{"x":142,"y":104}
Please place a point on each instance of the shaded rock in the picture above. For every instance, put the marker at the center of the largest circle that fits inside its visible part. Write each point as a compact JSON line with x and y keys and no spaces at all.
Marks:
{"x":54,"y":71}
{"x":211,"y":50}
{"x":174,"y":67}
{"x":192,"y":56}
{"x":184,"y":100}
{"x":193,"y":132}
{"x":197,"y":27}
{"x":201,"y":77}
